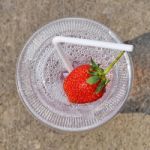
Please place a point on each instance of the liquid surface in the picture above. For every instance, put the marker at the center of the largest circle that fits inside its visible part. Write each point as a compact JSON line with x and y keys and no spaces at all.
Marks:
{"x":40,"y":76}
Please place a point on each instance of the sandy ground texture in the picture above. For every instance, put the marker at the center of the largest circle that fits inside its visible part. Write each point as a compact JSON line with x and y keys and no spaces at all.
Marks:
{"x":130,"y":130}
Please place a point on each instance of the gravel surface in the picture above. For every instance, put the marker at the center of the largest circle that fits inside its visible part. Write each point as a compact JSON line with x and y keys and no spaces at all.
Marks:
{"x":130,"y":130}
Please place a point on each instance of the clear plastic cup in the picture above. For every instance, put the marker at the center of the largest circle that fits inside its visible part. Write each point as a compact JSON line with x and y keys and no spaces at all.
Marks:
{"x":40,"y":74}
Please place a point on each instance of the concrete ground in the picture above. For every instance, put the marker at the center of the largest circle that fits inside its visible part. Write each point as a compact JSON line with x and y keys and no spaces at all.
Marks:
{"x":130,"y":130}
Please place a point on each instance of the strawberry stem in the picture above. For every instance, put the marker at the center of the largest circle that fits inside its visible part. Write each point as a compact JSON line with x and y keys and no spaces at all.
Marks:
{"x":106,"y":71}
{"x":99,"y":74}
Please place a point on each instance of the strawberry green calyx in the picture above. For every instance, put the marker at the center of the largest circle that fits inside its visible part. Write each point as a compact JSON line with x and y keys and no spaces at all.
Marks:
{"x":98,"y":74}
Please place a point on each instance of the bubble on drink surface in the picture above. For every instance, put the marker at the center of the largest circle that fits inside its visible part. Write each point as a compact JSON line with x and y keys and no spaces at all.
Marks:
{"x":64,"y":74}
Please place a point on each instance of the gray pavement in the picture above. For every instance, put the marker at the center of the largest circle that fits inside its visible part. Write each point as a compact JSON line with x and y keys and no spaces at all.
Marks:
{"x":130,"y":130}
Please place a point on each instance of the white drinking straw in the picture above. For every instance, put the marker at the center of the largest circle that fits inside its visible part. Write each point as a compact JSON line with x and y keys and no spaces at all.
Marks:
{"x":85,"y":42}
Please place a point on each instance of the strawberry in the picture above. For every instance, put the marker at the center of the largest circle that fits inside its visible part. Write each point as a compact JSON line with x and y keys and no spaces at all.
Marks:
{"x":76,"y":87}
{"x":87,"y":83}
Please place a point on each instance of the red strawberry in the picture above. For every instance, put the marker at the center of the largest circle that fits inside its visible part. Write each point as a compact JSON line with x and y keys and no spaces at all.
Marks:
{"x":86,"y":83}
{"x":77,"y":89}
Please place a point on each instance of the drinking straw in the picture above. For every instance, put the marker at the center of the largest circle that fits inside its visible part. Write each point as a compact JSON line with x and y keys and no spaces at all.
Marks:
{"x":85,"y":42}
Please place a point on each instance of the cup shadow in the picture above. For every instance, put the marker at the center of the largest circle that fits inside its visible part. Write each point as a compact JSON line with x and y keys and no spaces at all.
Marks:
{"x":139,"y":98}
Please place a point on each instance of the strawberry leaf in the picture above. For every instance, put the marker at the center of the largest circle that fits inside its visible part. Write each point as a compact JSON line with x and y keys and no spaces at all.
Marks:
{"x":100,"y":86}
{"x":93,"y":73}
{"x":107,"y":81}
{"x":93,"y":79}
{"x":94,"y":65}
{"x":101,"y":69}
